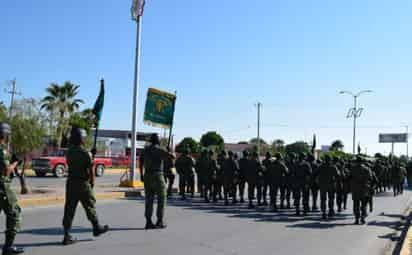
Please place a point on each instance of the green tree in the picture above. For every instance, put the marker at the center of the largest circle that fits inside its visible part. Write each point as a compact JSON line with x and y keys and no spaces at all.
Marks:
{"x":337,"y":146}
{"x":243,"y":142}
{"x":297,"y":148}
{"x":61,"y":100}
{"x":212,"y":139}
{"x":255,"y":141}
{"x":188,"y":143}
{"x":26,"y":136}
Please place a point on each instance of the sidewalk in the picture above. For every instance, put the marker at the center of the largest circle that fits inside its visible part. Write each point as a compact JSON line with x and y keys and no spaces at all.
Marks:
{"x":56,"y":195}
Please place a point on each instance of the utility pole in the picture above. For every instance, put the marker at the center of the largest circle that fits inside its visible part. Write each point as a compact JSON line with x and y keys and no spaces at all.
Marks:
{"x":355,"y":112}
{"x":407,"y":142}
{"x":13,"y":92}
{"x":259,"y":105}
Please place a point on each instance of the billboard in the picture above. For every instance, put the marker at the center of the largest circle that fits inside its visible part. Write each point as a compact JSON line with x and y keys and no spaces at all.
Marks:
{"x":393,"y":138}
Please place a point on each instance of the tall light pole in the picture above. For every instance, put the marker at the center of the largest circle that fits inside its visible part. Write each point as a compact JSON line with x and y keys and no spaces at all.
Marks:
{"x":258,"y":105}
{"x":355,"y":112}
{"x":137,"y":13}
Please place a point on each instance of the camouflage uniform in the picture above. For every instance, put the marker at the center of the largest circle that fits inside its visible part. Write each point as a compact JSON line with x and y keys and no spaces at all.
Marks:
{"x":302,"y":178}
{"x":266,"y":179}
{"x":328,"y":175}
{"x":230,"y":171}
{"x":361,"y":178}
{"x":153,"y":159}
{"x":169,"y":175}
{"x":242,"y":163}
{"x":184,"y":166}
{"x":314,"y":186}
{"x":277,"y":172}
{"x":8,"y":204}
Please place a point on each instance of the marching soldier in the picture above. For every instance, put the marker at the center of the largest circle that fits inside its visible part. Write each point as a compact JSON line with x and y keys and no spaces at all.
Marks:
{"x":314,"y":186}
{"x":302,"y":178}
{"x":184,"y":166}
{"x":230,"y":170}
{"x":8,"y":202}
{"x":243,"y":166}
{"x":202,"y":166}
{"x":361,"y":178}
{"x":169,"y":175}
{"x":153,"y":160}
{"x":79,"y":186}
{"x":277,"y":172}
{"x":266,"y":180}
{"x":327,"y":176}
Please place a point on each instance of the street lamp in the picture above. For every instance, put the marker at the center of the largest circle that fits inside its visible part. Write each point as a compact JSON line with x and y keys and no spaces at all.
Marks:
{"x":355,"y":112}
{"x":137,"y":13}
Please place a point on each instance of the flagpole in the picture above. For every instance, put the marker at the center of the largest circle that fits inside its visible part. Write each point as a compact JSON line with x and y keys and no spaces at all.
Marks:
{"x":171,"y":126}
{"x":135,"y":99}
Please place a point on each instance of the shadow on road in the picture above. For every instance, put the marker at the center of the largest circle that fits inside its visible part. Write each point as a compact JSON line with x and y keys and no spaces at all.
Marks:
{"x":59,"y":231}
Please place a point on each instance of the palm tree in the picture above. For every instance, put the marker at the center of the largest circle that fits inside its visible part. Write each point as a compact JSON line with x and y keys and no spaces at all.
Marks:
{"x":61,"y":100}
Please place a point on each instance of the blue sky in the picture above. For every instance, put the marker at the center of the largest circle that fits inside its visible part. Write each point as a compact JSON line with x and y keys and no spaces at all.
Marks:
{"x":222,"y":57}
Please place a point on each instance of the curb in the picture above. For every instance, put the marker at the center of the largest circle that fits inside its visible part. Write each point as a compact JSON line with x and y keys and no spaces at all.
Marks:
{"x":403,"y":245}
{"x":57,"y":200}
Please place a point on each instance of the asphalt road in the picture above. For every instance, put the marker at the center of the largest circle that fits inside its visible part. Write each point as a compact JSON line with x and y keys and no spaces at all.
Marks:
{"x":205,"y":229}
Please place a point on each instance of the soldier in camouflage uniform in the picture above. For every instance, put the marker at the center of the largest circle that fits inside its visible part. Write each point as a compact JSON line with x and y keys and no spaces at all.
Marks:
{"x":287,"y":189}
{"x":169,"y":175}
{"x":230,"y":171}
{"x":409,"y":173}
{"x":314,"y":186}
{"x":328,"y":175}
{"x":266,"y":179}
{"x":302,"y":179}
{"x":398,"y":176}
{"x":361,"y":178}
{"x":253,"y":167}
{"x":339,"y":183}
{"x":277,"y":172}
{"x":201,"y":168}
{"x":219,"y":174}
{"x":8,"y":200}
{"x":79,"y":186}
{"x":184,"y":166}
{"x":243,"y":166}
{"x":153,"y":160}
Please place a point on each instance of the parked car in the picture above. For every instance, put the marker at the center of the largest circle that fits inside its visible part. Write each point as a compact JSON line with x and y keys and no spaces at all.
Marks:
{"x":56,"y":164}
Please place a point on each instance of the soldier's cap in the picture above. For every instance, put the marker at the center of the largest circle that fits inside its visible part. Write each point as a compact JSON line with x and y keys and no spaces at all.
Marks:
{"x":278,"y":155}
{"x":311,"y":157}
{"x":230,"y":153}
{"x":292,"y":155}
{"x":5,"y":129}
{"x":154,"y":139}
{"x":187,"y":151}
{"x":302,"y":155}
{"x":245,"y":153}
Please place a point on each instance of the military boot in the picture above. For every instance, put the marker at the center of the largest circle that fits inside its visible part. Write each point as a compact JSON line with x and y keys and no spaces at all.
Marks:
{"x":68,"y":239}
{"x":160,"y":224}
{"x":357,"y":221}
{"x":8,"y":248}
{"x":251,"y":206}
{"x":149,"y":225}
{"x":324,"y":216}
{"x":363,"y":222}
{"x":100,"y":230}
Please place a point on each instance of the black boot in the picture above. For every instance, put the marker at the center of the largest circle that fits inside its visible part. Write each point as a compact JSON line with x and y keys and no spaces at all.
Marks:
{"x":357,"y":221}
{"x":68,"y":239}
{"x":100,"y":230}
{"x":160,"y":224}
{"x":324,"y":216}
{"x":149,"y":225}
{"x":8,"y":248}
{"x":363,"y":222}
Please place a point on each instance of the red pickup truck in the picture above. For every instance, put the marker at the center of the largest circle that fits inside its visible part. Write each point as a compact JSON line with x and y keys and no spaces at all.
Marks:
{"x":56,"y":164}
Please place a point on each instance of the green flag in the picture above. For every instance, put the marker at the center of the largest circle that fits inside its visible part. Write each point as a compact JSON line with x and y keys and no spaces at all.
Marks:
{"x":98,"y":106}
{"x":160,"y":108}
